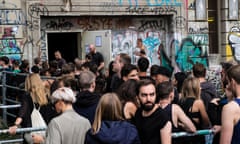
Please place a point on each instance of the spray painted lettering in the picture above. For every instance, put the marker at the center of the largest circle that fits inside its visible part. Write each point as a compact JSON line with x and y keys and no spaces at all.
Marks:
{"x":194,"y":30}
{"x":154,"y":24}
{"x":93,"y":24}
{"x":37,"y":9}
{"x":12,"y":17}
{"x":153,"y":3}
{"x":60,"y":24}
{"x":163,"y":10}
{"x":110,"y":6}
{"x":153,"y":10}
{"x":180,"y":22}
{"x":163,"y":2}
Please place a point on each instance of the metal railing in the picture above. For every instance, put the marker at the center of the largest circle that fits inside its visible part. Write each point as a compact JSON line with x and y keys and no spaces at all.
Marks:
{"x":21,"y":130}
{"x":174,"y":135}
{"x":8,"y":103}
{"x":199,"y":132}
{"x":5,"y":99}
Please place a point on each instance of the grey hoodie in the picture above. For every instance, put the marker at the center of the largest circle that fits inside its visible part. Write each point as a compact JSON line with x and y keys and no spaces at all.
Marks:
{"x":208,"y":92}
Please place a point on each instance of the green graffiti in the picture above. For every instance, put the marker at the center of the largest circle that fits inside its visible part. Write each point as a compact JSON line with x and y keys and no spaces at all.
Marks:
{"x":189,"y":54}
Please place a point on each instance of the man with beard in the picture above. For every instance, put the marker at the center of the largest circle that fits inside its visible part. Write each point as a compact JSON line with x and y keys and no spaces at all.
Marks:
{"x":152,"y":122}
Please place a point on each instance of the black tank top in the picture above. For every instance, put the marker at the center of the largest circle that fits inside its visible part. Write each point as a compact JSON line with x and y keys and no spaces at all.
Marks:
{"x":168,"y":109}
{"x":187,"y":108}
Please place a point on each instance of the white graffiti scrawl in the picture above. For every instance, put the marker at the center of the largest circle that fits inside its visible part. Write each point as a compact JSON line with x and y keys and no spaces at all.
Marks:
{"x":234,"y":41}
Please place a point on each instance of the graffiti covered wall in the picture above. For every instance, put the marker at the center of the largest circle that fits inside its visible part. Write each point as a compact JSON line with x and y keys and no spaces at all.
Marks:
{"x":163,"y":26}
{"x":11,"y":29}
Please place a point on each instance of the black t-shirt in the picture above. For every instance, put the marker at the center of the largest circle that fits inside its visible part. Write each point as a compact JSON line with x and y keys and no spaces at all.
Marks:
{"x":149,"y":127}
{"x":115,"y":83}
{"x":97,"y":58}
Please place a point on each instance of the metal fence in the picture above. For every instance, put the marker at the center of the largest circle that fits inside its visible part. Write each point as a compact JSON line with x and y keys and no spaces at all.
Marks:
{"x":9,"y":103}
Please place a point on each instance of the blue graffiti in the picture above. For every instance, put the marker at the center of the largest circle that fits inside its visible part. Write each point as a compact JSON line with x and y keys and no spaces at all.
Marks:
{"x":155,"y":3}
{"x":151,"y":43}
{"x":129,"y":2}
{"x":189,"y":54}
{"x":8,"y":45}
{"x":10,"y":49}
{"x":164,"y":2}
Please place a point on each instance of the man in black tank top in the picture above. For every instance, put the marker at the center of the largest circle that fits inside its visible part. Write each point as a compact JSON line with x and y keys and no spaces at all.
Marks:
{"x":151,"y":121}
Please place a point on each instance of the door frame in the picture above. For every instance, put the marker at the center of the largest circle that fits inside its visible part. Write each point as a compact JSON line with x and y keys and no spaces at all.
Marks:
{"x":79,"y":33}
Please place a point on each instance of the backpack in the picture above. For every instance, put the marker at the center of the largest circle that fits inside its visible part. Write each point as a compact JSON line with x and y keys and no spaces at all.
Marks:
{"x":37,"y":122}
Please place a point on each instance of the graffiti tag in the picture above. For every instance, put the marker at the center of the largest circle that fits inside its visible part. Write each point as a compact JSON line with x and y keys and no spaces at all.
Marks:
{"x":37,"y":9}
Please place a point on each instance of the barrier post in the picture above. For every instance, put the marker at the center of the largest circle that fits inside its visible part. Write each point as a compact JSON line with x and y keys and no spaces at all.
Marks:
{"x":4,"y":89}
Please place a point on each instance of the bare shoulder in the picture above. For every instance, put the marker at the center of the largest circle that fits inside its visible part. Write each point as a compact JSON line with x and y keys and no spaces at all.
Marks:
{"x":130,"y":105}
{"x":231,"y":106}
{"x":176,"y":107}
{"x":199,"y":102}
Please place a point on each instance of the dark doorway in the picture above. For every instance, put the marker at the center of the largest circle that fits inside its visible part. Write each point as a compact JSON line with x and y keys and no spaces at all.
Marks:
{"x":66,"y":43}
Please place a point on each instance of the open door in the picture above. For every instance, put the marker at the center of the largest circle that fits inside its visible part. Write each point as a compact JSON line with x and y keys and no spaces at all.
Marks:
{"x":101,"y":40}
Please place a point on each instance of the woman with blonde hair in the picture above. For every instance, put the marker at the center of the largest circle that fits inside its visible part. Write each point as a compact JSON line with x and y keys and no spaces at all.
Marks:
{"x":193,"y":105}
{"x":109,"y":126}
{"x":34,"y":85}
{"x":35,"y":96}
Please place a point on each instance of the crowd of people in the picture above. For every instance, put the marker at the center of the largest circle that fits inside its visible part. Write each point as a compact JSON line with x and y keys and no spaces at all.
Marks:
{"x":125,"y":104}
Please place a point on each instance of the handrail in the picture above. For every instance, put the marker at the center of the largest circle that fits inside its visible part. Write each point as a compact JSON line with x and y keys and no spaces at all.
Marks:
{"x":174,"y":135}
{"x":9,"y":106}
{"x":21,"y":130}
{"x":186,"y":134}
{"x":11,"y":141}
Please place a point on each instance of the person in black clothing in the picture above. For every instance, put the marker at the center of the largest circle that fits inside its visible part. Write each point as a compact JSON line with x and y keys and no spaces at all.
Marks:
{"x":120,"y":60}
{"x":109,"y":76}
{"x":208,"y":90}
{"x":87,"y":100}
{"x":35,"y":96}
{"x":129,"y":71}
{"x":143,"y":64}
{"x":4,"y":63}
{"x":194,"y":108}
{"x":60,"y":61}
{"x":179,"y":120}
{"x":152,"y":122}
{"x":97,"y":57}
